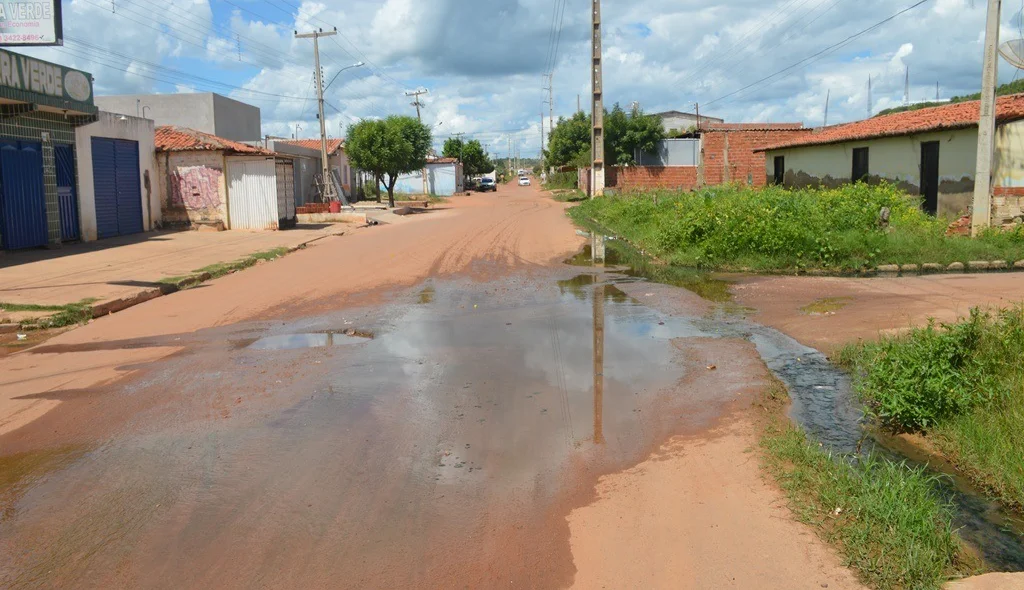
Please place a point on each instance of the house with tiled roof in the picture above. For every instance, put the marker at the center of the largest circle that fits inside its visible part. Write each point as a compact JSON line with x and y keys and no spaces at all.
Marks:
{"x":929,"y":152}
{"x":211,"y":181}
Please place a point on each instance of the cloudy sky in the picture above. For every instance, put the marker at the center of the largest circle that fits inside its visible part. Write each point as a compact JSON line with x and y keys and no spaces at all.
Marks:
{"x":484,"y":61}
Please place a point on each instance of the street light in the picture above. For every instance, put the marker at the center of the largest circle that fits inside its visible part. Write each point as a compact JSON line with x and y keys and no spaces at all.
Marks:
{"x":144,"y":107}
{"x":297,"y":130}
{"x":355,"y":65}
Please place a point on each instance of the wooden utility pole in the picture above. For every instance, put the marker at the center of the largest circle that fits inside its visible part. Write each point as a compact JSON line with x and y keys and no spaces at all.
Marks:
{"x":596,"y":108}
{"x":416,"y":103}
{"x":325,"y":165}
{"x":981,"y":213}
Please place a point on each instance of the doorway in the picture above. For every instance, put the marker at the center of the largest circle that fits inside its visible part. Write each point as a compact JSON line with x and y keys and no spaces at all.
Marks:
{"x":860,"y":165}
{"x":930,"y":176}
{"x":780,"y":170}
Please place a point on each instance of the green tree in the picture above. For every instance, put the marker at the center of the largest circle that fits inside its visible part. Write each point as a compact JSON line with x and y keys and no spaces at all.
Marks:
{"x":388,"y":148}
{"x":569,"y":141}
{"x":475,"y":159}
{"x":624,"y":133}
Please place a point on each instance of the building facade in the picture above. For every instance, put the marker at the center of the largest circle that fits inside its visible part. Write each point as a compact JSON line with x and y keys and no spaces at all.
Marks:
{"x":675,"y":122}
{"x":308,"y":168}
{"x":41,"y":105}
{"x":444,"y":179}
{"x":929,"y":152}
{"x":205,"y":111}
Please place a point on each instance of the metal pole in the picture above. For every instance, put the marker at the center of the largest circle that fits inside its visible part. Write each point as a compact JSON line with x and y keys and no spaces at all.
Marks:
{"x":325,"y":165}
{"x":597,"y":107}
{"x":981,"y":214}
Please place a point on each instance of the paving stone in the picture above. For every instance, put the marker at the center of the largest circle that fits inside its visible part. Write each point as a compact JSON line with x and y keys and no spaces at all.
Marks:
{"x":888,"y":268}
{"x":978,"y":265}
{"x":956,"y":266}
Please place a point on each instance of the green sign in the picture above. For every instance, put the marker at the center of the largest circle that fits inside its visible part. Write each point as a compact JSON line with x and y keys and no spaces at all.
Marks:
{"x":29,"y":74}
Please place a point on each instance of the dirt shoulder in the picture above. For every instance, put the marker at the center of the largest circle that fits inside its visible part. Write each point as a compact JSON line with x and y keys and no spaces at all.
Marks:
{"x":828,"y":312}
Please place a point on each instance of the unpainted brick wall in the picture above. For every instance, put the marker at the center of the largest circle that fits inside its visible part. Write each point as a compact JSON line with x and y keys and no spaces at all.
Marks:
{"x":634,"y":178}
{"x":745,"y":166}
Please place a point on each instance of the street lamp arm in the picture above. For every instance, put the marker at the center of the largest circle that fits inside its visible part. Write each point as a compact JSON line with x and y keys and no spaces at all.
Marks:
{"x":355,"y":65}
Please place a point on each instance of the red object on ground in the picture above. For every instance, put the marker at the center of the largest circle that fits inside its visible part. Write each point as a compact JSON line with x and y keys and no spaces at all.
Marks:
{"x":335,"y":206}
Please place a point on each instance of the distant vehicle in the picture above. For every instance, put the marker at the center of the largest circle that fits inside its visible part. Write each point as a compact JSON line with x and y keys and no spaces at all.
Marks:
{"x":524,"y":181}
{"x":487,"y":184}
{"x":521,"y":172}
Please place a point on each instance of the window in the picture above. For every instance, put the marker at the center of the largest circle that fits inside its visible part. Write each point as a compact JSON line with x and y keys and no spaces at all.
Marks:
{"x":780,"y":170}
{"x":860,"y":165}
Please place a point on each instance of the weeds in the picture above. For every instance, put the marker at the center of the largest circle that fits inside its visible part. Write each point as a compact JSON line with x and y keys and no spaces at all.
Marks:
{"x":769,"y":229}
{"x":561,"y":180}
{"x":887,"y":519}
{"x":64,"y":315}
{"x":962,"y":384}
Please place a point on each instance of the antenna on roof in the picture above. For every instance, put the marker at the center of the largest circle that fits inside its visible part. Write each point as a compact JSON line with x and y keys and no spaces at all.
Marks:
{"x":906,"y":89}
{"x":828,"y":95}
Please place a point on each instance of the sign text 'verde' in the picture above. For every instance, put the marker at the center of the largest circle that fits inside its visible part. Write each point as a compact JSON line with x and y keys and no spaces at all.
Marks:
{"x":25,"y":73}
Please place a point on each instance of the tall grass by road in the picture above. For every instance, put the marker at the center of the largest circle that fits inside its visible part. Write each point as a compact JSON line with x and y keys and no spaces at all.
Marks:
{"x":887,"y":520}
{"x":961,"y":384}
{"x":775,"y":229}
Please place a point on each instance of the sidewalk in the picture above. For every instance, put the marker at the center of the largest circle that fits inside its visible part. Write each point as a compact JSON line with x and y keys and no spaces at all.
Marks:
{"x":132,"y":266}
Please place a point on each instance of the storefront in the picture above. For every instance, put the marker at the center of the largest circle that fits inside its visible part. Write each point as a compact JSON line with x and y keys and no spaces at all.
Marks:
{"x":41,"y":104}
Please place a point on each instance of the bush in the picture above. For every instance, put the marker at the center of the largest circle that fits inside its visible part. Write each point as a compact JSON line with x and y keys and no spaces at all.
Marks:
{"x":930,"y":375}
{"x":561,"y":180}
{"x":779,"y":229}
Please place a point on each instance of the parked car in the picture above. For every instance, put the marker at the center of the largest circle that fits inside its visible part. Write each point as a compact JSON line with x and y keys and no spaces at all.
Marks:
{"x":524,"y":181}
{"x":487,"y":184}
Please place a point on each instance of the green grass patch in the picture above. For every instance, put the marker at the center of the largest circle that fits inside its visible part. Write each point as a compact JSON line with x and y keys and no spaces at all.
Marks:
{"x":776,"y":229}
{"x":64,"y":315}
{"x":887,"y":520}
{"x":222,"y":268}
{"x":963,"y":385}
{"x":561,"y":180}
{"x":568,"y":195}
{"x":826,"y":305}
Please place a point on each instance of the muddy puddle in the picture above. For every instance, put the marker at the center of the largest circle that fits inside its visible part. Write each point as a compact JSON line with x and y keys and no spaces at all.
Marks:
{"x":823,"y":403}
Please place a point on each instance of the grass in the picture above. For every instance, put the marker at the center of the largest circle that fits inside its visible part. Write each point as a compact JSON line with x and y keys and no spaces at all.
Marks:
{"x":223,"y":268}
{"x":826,"y":305}
{"x":64,"y":315}
{"x":568,"y":195}
{"x":561,"y":180}
{"x":961,"y":384}
{"x":775,"y":229}
{"x":886,"y":519}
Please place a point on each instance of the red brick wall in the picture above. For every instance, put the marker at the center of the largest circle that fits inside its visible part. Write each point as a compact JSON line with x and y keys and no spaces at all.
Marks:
{"x":650,"y":177}
{"x":1008,"y":191}
{"x":745,"y":165}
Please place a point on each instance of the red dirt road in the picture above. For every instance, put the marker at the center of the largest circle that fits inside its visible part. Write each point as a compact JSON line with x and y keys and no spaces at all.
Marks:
{"x":513,"y":422}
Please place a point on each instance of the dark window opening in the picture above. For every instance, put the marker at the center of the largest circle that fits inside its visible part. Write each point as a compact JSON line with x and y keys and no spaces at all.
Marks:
{"x":860,"y":164}
{"x":780,"y":170}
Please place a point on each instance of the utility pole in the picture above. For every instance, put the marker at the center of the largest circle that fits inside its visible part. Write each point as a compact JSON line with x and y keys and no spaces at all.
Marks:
{"x":551,"y":103}
{"x":596,"y":107}
{"x":325,"y":167}
{"x":981,"y":213}
{"x":906,"y":89}
{"x":937,"y":91}
{"x":542,"y":137}
{"x":508,"y":155}
{"x":416,"y":103}
{"x":578,"y":107}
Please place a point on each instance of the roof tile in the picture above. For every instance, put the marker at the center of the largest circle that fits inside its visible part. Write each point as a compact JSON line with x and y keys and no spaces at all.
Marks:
{"x":169,"y":138}
{"x":314,"y":144}
{"x":952,"y":116}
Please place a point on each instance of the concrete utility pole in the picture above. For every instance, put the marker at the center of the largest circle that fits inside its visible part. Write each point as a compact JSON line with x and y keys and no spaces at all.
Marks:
{"x":981,"y":214}
{"x":870,"y":106}
{"x":325,"y":165}
{"x":542,"y":137}
{"x":596,"y":108}
{"x":416,"y":103}
{"x":828,"y":95}
{"x":551,"y":103}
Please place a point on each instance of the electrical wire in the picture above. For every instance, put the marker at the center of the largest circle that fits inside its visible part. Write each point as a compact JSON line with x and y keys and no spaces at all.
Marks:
{"x":816,"y":56}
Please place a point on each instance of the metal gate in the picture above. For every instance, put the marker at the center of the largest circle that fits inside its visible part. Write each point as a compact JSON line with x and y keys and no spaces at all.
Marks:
{"x":22,"y":197}
{"x":252,"y":193}
{"x":115,"y":168}
{"x":285,"y":193}
{"x":66,"y":197}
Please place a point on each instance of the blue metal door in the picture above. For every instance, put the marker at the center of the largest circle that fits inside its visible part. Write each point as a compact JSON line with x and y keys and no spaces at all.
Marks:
{"x":129,"y":191}
{"x":22,"y":198}
{"x":115,"y":169}
{"x":104,"y":180}
{"x":67,"y":197}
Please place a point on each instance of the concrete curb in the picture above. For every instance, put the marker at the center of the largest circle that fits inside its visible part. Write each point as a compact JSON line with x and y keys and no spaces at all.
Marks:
{"x":116,"y":305}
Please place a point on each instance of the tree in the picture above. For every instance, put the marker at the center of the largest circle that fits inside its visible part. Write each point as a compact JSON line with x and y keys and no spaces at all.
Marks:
{"x":569,"y":141}
{"x":388,"y":148}
{"x":475,"y":160}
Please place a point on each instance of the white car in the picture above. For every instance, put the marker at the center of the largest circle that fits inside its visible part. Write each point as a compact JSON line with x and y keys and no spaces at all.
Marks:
{"x":524,"y":181}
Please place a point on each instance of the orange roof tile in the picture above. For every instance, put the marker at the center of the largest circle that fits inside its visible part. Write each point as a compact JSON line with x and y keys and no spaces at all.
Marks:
{"x":959,"y":115}
{"x":169,"y":138}
{"x":314,"y":144}
{"x":752,"y":127}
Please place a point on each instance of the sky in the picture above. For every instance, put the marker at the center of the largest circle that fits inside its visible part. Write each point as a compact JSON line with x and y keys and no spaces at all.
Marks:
{"x":484,"y":62}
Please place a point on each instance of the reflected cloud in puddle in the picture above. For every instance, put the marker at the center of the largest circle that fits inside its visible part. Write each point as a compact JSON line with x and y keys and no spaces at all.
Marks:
{"x":313,"y":340}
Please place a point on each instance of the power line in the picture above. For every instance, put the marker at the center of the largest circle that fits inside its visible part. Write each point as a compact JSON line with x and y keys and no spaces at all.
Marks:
{"x":819,"y":54}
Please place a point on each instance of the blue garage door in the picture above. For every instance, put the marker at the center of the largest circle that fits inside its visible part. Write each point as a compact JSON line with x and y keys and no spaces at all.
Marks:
{"x":22,"y":198}
{"x":115,"y":169}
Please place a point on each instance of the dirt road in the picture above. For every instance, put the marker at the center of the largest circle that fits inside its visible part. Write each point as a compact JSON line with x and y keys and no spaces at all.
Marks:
{"x":434,"y":404}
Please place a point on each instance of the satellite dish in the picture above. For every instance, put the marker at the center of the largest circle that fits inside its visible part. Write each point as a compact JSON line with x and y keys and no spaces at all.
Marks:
{"x":1013,"y":52}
